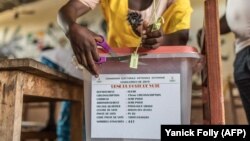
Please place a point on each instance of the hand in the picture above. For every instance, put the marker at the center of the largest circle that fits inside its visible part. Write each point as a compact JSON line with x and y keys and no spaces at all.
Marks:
{"x":151,"y":39}
{"x":83,"y":42}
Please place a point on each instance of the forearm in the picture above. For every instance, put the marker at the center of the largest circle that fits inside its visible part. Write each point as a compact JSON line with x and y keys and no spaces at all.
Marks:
{"x":69,"y":13}
{"x":177,"y":38}
{"x":224,"y":28}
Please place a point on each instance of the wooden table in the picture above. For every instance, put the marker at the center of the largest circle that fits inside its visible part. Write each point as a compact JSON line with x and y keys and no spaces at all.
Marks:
{"x":26,"y":80}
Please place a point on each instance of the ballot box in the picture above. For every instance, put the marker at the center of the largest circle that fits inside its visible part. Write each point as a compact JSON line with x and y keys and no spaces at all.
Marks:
{"x":127,"y":104}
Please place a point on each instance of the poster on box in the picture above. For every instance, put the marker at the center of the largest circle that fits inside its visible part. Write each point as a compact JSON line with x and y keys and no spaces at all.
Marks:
{"x":134,"y":106}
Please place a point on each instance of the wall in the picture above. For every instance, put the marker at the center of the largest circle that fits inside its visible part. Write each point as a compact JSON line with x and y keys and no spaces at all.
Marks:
{"x":36,"y":26}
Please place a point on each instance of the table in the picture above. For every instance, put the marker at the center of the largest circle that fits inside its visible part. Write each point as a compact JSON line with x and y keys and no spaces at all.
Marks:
{"x":26,"y":80}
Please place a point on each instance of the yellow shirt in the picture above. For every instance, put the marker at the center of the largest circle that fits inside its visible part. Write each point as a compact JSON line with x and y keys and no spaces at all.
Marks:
{"x":120,"y":33}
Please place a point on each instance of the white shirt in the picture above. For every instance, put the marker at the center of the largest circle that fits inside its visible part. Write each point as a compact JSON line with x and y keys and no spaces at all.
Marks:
{"x":238,"y":18}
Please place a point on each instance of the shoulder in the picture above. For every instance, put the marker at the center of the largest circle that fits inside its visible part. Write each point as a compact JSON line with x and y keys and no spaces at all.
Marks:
{"x":181,"y":4}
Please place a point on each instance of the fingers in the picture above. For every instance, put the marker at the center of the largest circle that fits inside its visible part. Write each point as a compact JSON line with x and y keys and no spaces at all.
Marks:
{"x":152,"y":43}
{"x":87,"y":55}
{"x":143,"y":27}
{"x":83,"y":42}
{"x":77,"y":52}
{"x":154,"y":46}
{"x":84,"y":60}
{"x":94,"y":51}
{"x":91,"y":64}
{"x":154,"y":34}
{"x":152,"y":40}
{"x":139,"y":30}
{"x":98,"y":38}
{"x":95,"y":55}
{"x":91,"y":56}
{"x":148,"y":28}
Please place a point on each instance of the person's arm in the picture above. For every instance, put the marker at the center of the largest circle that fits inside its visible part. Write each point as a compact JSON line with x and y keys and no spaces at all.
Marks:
{"x":152,"y":40}
{"x":177,"y":38}
{"x":175,"y":31}
{"x":69,"y":13}
{"x":83,"y":41}
{"x":224,"y":28}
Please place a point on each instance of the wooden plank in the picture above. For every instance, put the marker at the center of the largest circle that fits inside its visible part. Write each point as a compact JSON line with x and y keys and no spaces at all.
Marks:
{"x":11,"y":102}
{"x":37,"y":99}
{"x":206,"y":106}
{"x":37,"y":68}
{"x":76,"y":118}
{"x":37,"y":86}
{"x":212,"y":48}
{"x":38,"y":135}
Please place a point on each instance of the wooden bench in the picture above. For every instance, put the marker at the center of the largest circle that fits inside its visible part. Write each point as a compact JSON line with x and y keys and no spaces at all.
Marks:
{"x":26,"y":80}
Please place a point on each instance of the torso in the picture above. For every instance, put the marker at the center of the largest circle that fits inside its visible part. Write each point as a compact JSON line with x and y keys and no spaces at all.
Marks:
{"x":139,"y":5}
{"x":121,"y":34}
{"x":238,"y":19}
{"x":145,"y":7}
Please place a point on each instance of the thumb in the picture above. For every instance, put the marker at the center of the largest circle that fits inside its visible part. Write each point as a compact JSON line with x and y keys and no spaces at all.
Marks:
{"x":97,"y":37}
{"x":143,"y":27}
{"x":148,"y":28}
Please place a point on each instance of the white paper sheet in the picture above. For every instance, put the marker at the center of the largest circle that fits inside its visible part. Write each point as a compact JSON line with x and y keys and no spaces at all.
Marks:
{"x":134,"y":106}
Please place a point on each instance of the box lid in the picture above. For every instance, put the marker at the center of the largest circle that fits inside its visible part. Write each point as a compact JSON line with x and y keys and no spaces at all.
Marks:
{"x":161,"y":52}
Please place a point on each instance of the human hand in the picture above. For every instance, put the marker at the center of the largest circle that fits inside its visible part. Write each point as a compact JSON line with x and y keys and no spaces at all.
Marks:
{"x":83,"y":42}
{"x":151,"y":39}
